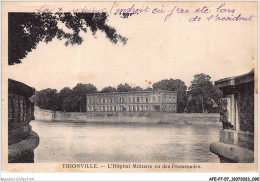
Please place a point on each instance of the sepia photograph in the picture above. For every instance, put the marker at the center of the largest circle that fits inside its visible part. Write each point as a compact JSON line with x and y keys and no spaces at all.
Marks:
{"x":129,"y":86}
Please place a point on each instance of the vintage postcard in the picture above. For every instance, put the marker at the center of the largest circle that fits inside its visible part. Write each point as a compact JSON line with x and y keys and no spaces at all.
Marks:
{"x":129,"y":86}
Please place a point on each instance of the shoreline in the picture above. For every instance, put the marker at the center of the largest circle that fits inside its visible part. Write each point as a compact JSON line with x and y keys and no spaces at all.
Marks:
{"x":129,"y":123}
{"x":129,"y":117}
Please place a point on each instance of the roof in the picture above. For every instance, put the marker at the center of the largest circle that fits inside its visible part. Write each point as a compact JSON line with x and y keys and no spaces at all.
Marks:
{"x":235,"y":80}
{"x":132,"y":92}
{"x":15,"y":87}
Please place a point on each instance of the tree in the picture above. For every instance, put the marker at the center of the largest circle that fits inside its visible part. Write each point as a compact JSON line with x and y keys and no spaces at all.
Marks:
{"x":202,"y":94}
{"x":79,"y":95}
{"x":45,"y":99}
{"x":137,"y":88}
{"x":148,"y":89}
{"x":65,"y":94}
{"x":124,"y":88}
{"x":67,"y":104}
{"x":68,"y":100}
{"x":26,"y":30}
{"x":108,"y":89}
{"x":174,"y":85}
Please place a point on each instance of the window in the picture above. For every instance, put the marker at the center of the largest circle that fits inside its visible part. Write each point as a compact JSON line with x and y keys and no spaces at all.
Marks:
{"x":120,"y":100}
{"x":99,"y":100}
{"x":89,"y":108}
{"x":170,"y":108}
{"x":159,"y":99}
{"x":137,"y":99}
{"x":153,"y":98}
{"x":137,"y":108}
{"x":129,"y":99}
{"x":142,"y":99}
{"x":133,"y":99}
{"x":165,"y":107}
{"x":111,"y":108}
{"x":165,"y":98}
{"x":146,"y":108}
{"x":123,"y":100}
{"x":142,"y":108}
{"x":133,"y":108}
{"x":114,"y":108}
{"x":94,"y":109}
{"x":146,"y":99}
{"x":170,"y":99}
{"x":123,"y":108}
{"x":129,"y":108}
{"x":114,"y":100}
{"x":107,"y":108}
{"x":100,"y":108}
{"x":104,"y":109}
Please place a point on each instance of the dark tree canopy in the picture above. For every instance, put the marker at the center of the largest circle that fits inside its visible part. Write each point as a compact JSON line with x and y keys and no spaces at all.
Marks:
{"x":69,"y":100}
{"x":79,"y":93}
{"x":124,"y":88}
{"x":46,"y":98}
{"x":148,"y":89}
{"x":174,"y":85}
{"x":64,"y":94}
{"x":202,"y":94}
{"x":108,"y":89}
{"x":137,"y":88}
{"x":26,"y":30}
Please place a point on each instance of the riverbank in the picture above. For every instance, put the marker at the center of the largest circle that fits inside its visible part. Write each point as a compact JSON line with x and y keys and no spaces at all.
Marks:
{"x":129,"y":117}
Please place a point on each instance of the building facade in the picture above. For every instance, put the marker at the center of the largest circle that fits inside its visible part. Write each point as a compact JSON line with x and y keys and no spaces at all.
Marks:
{"x":142,"y":101}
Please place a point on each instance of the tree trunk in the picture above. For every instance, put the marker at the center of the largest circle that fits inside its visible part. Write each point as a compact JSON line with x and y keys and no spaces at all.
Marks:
{"x":80,"y":105}
{"x":202,"y":103}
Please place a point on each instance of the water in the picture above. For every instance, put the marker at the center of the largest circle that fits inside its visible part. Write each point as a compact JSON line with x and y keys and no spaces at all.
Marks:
{"x":91,"y":142}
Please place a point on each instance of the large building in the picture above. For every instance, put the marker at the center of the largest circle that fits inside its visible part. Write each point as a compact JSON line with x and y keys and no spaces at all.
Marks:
{"x":142,"y":101}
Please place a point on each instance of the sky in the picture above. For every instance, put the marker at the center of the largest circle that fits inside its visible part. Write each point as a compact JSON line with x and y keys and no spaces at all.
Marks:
{"x":155,"y":50}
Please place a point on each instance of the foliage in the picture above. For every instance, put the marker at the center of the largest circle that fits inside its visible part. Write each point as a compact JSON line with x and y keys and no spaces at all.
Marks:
{"x":124,"y":88}
{"x":202,"y":94}
{"x":69,"y":100}
{"x":148,"y":89}
{"x":62,"y":103}
{"x":26,"y":30}
{"x":108,"y":89}
{"x":46,"y":98}
{"x":67,"y":104}
{"x":79,"y":93}
{"x":174,"y":85}
{"x":137,"y":88}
